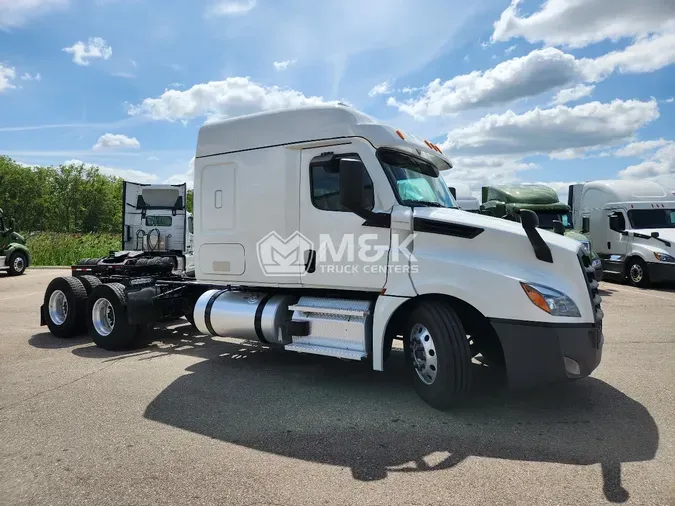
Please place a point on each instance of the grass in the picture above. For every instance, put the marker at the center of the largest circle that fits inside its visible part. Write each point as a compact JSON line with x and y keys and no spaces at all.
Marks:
{"x":49,"y":248}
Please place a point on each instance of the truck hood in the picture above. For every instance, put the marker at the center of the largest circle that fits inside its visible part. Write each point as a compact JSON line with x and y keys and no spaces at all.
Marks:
{"x":497,"y":225}
{"x":667,"y":234}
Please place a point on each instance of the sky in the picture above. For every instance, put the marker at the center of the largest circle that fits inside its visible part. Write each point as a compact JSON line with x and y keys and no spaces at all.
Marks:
{"x":556,"y":92}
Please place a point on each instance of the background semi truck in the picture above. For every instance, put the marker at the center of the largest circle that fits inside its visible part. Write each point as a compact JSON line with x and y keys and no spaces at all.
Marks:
{"x":507,"y":201}
{"x":14,"y":255}
{"x":319,"y":230}
{"x":631,"y":224}
{"x":462,"y":194}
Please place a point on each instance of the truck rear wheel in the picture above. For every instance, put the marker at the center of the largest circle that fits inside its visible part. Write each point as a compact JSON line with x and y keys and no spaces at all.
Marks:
{"x":63,"y":303}
{"x":438,"y":354}
{"x":107,"y":320}
{"x":17,"y":263}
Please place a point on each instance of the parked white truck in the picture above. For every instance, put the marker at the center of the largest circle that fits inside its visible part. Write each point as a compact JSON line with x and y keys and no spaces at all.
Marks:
{"x":319,"y":230}
{"x":631,"y":225}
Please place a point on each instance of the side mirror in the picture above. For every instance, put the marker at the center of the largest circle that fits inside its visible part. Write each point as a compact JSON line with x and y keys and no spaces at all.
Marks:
{"x":529,"y":219}
{"x":655,"y":235}
{"x":351,"y":186}
{"x":615,"y":223}
{"x":558,"y":227}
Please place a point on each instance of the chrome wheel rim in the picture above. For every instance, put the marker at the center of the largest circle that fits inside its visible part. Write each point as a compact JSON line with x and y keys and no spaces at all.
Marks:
{"x":103,"y":317}
{"x":423,"y":354}
{"x":636,"y":273}
{"x":18,"y":264}
{"x":58,"y":307}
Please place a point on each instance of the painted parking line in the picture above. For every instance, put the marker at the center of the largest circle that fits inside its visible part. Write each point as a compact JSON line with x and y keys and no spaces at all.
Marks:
{"x":642,"y":292}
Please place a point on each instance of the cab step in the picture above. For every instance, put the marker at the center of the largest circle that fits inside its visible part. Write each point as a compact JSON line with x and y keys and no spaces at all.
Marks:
{"x":334,"y":327}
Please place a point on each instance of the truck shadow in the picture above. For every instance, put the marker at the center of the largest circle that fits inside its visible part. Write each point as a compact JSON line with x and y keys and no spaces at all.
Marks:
{"x":341,"y":413}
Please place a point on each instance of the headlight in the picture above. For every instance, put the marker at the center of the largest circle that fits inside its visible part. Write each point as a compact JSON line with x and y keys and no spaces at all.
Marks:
{"x":662,"y":257}
{"x":597,"y":263}
{"x":552,"y":301}
{"x":587,"y":246}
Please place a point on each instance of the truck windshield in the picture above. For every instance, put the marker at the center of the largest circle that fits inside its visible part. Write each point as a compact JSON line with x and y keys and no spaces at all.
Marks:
{"x":416,"y":181}
{"x":546,"y":219}
{"x":652,"y":218}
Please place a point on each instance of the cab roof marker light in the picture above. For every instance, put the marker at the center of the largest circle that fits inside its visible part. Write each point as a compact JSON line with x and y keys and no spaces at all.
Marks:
{"x":400,"y":134}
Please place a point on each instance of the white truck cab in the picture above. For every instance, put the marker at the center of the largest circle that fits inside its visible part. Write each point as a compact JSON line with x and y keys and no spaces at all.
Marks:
{"x":319,"y":230}
{"x":462,"y":194}
{"x":631,"y":225}
{"x":156,"y":221}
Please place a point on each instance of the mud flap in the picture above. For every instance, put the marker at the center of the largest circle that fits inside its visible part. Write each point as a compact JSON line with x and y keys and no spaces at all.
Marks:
{"x":42,"y":316}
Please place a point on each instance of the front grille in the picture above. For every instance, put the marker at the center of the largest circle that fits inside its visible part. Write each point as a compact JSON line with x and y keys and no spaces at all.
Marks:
{"x":593,"y":288}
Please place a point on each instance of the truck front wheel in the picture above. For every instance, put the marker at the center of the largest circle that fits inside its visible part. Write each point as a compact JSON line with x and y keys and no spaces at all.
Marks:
{"x":438,"y":354}
{"x":638,"y":275}
{"x":107,"y":320}
{"x":17,"y":263}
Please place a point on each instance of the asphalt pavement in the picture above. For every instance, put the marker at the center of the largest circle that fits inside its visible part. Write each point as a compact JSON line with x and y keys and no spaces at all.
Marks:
{"x":186,"y":419}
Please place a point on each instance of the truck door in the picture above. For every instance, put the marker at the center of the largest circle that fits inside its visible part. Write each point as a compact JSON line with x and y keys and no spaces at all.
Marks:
{"x":617,"y":243}
{"x":344,"y":254}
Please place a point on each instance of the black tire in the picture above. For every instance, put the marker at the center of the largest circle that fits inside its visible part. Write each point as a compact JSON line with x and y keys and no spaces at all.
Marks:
{"x":189,"y":316}
{"x":93,"y":261}
{"x":18,"y":263}
{"x":89,"y":282}
{"x":122,"y":335}
{"x":448,"y":344}
{"x":637,"y":273}
{"x":75,"y":298}
{"x":82,"y":261}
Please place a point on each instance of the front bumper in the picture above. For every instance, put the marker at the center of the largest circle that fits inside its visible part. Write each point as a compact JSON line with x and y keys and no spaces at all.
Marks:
{"x":539,"y":353}
{"x":659,"y":272}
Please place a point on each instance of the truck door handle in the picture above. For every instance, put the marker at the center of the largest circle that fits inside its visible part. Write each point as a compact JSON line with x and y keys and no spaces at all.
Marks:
{"x":609,"y":245}
{"x":310,"y":260}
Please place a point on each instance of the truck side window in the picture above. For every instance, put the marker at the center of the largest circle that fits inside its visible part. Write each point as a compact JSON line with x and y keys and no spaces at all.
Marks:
{"x":324,"y":183}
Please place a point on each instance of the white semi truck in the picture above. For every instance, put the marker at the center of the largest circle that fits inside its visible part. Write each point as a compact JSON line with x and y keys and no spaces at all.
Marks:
{"x":631,"y":225}
{"x":462,"y":194}
{"x":319,"y":230}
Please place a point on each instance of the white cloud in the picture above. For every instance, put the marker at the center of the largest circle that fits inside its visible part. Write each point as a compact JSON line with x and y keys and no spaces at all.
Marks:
{"x":578,"y":23}
{"x":94,"y":48}
{"x":660,"y":164}
{"x":548,"y":131}
{"x":136,"y":176}
{"x":477,"y":171}
{"x":670,"y":100}
{"x":219,"y":99}
{"x":572,"y":94}
{"x":283,"y":65}
{"x":152,"y":158}
{"x":7,"y":75}
{"x":231,"y":7}
{"x":17,"y":13}
{"x":381,"y":89}
{"x":640,"y":147}
{"x":31,"y":77}
{"x":646,"y":55}
{"x":540,"y":71}
{"x":116,"y":141}
{"x":187,"y":177}
{"x":510,"y":49}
